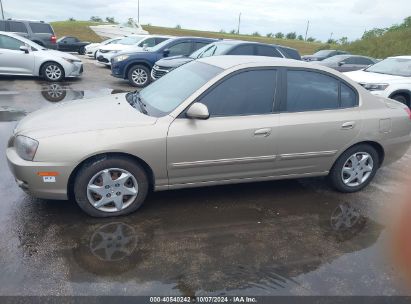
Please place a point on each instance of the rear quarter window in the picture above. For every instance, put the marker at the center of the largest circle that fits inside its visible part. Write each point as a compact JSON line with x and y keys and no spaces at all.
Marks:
{"x":17,"y":27}
{"x":41,"y":28}
{"x":3,"y":26}
{"x":290,"y":53}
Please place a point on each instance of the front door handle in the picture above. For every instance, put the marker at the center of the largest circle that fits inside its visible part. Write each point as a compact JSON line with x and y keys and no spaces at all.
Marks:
{"x":263,"y":132}
{"x":348,"y":125}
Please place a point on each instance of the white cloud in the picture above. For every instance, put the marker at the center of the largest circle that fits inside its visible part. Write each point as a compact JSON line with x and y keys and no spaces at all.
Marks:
{"x":344,"y":18}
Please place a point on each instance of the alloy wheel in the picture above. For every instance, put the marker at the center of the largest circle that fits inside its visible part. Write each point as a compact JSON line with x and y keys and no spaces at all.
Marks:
{"x":357,"y":169}
{"x":112,"y":190}
{"x":53,"y":72}
{"x":139,"y":76}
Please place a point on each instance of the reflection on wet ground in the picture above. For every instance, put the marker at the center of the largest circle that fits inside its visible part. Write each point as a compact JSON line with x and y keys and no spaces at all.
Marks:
{"x":294,"y":237}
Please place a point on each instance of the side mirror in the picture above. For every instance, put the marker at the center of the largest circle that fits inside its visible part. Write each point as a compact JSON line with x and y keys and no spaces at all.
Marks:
{"x":24,"y":48}
{"x":341,"y":63}
{"x":145,"y":46}
{"x":166,"y":52}
{"x":198,"y":110}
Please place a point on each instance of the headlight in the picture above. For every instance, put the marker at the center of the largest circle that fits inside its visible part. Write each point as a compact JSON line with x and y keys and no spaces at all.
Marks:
{"x":120,"y":58}
{"x":26,"y":147}
{"x":376,"y":86}
{"x":71,"y":60}
{"x":113,"y":52}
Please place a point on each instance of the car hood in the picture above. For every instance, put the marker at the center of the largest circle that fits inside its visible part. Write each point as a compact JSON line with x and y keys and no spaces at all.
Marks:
{"x":54,"y":53}
{"x":174,"y":62}
{"x":119,"y":47}
{"x":110,"y":112}
{"x":370,"y":77}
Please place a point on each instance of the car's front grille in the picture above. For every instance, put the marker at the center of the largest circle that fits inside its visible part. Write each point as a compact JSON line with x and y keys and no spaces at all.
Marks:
{"x":159,"y":71}
{"x":102,"y":59}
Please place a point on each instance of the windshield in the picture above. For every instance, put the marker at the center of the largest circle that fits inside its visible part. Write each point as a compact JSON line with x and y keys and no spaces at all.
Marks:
{"x":214,"y":49}
{"x":323,"y":53}
{"x":163,"y":96}
{"x":335,"y":59}
{"x":392,"y":66}
{"x":130,"y":40}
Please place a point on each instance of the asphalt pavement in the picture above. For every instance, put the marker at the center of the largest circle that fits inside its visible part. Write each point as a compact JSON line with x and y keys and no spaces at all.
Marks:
{"x":294,"y":237}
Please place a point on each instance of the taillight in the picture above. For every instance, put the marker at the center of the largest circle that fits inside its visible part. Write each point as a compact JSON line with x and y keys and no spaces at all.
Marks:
{"x":408,"y":112}
{"x":53,"y":39}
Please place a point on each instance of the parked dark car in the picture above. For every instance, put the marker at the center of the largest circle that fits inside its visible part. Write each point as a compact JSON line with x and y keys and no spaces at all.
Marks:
{"x":39,"y":32}
{"x":136,"y":66}
{"x":224,"y":47}
{"x":347,"y":63}
{"x":72,"y":44}
{"x":323,"y":54}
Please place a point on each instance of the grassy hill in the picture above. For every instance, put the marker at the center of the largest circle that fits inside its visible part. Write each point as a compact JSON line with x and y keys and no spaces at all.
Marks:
{"x":81,"y":30}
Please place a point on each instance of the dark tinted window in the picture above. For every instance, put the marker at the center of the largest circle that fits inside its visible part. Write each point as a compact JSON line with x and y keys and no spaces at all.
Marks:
{"x":243,"y":50}
{"x":310,"y":91}
{"x":290,"y":53}
{"x":10,"y":43}
{"x":17,"y":27}
{"x":348,"y":97}
{"x":269,"y":51}
{"x":3,"y":26}
{"x":183,"y":48}
{"x":364,"y":61}
{"x":199,"y":45}
{"x":350,"y":60}
{"x":246,"y":93}
{"x":41,"y":28}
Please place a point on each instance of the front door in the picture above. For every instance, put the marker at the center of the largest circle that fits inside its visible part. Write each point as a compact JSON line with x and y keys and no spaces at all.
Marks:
{"x":12,"y":59}
{"x":238,"y":141}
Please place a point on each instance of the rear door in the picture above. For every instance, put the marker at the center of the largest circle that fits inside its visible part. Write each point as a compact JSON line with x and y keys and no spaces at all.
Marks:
{"x":319,"y":117}
{"x":12,"y":60}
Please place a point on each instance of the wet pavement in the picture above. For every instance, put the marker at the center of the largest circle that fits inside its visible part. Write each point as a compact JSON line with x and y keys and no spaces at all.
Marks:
{"x":294,"y":237}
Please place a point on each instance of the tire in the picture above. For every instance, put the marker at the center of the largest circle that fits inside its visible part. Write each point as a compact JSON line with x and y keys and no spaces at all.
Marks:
{"x":95,"y":55}
{"x":112,"y":201}
{"x":139,"y":76}
{"x":52,"y":71}
{"x":82,"y":50}
{"x":340,"y":180}
{"x":401,"y":98}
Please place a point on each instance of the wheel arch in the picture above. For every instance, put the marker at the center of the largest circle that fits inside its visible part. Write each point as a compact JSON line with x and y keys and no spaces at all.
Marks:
{"x":405,"y":92}
{"x":51,"y":61}
{"x":130,"y":65}
{"x":378,"y":147}
{"x":101,"y":156}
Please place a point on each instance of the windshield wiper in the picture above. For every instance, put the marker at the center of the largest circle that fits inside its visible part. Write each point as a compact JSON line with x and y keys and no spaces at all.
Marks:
{"x":136,"y":99}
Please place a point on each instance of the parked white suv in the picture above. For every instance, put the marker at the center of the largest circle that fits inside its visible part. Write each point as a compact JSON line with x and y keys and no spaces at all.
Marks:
{"x":20,"y":56}
{"x":389,"y":78}
{"x":129,"y":43}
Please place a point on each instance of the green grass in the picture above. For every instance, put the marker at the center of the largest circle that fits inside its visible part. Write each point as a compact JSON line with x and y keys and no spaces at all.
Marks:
{"x":81,"y":30}
{"x":391,"y":43}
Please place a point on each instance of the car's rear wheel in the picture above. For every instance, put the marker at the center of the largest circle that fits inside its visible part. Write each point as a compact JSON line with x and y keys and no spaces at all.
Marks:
{"x":355,"y":168}
{"x":52,"y":71}
{"x":82,"y":50}
{"x":139,"y":76}
{"x":110,"y":187}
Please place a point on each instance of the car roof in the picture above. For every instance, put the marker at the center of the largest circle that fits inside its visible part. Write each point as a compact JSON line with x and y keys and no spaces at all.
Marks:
{"x":401,"y":57}
{"x":193,"y":37}
{"x":228,"y":61}
{"x":239,"y":42}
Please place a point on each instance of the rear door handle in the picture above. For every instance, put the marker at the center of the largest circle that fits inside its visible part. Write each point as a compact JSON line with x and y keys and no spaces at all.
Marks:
{"x":263,"y":132}
{"x":348,"y":125}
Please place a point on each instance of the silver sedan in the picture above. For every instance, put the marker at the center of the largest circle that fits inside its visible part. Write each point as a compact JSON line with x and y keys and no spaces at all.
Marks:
{"x":217,"y":120}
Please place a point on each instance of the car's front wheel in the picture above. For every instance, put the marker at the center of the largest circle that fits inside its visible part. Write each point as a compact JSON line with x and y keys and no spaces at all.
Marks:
{"x":52,"y":71}
{"x":110,"y":187}
{"x":355,"y":168}
{"x":139,"y":76}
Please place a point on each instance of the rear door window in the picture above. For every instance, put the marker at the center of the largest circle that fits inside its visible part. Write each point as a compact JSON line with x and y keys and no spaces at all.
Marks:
{"x":269,"y":51}
{"x":17,"y":27}
{"x":41,"y":28}
{"x":2,"y":25}
{"x":243,"y":50}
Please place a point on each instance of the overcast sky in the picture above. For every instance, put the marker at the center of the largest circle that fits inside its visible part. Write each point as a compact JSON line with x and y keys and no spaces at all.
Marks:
{"x":342,"y":17}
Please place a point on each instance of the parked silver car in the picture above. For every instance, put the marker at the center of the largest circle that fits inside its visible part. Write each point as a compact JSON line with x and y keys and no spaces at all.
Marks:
{"x":20,"y":56}
{"x":216,"y":120}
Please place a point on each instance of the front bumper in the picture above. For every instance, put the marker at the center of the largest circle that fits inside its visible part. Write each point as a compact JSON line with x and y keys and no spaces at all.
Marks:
{"x":105,"y":58}
{"x":117,"y":70}
{"x":27,"y":178}
{"x":76,"y":69}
